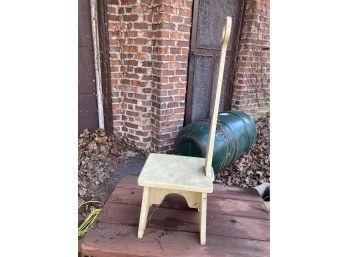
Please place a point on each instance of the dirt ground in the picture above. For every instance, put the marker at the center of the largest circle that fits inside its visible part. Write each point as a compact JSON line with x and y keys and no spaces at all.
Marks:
{"x":101,"y":155}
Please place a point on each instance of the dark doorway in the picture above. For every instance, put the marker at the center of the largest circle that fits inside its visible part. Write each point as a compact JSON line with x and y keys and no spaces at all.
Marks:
{"x":207,"y":23}
{"x":87,"y":99}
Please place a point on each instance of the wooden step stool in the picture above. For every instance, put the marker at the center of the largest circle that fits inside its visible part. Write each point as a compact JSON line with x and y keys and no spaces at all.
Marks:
{"x":165,"y":174}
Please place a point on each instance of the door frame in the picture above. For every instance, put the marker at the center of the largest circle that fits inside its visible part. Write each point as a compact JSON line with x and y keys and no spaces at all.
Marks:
{"x":105,"y":64}
{"x":233,"y":53}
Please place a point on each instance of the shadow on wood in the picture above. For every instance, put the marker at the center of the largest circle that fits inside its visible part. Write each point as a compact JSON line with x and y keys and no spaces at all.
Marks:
{"x":237,"y":225}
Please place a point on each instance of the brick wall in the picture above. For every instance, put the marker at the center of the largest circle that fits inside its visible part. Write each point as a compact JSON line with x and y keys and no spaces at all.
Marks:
{"x":251,"y":85}
{"x":149,"y":45}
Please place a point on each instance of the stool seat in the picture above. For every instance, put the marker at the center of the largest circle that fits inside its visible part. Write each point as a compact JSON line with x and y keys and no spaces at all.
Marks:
{"x":175,"y":172}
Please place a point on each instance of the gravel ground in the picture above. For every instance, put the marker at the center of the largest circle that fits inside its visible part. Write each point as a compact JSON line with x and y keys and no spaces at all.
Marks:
{"x":252,"y":168}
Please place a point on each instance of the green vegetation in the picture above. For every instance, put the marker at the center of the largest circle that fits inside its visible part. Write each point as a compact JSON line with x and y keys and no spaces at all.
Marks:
{"x":87,"y":223}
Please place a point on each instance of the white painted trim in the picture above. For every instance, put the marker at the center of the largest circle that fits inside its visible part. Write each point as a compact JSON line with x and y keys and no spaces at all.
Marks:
{"x":97,"y":65}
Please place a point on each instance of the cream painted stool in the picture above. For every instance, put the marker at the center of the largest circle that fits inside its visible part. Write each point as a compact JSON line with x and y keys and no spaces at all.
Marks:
{"x":190,"y":177}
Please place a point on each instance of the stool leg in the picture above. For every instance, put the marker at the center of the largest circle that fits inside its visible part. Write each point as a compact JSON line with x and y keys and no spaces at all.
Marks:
{"x":203,"y":218}
{"x":144,"y":211}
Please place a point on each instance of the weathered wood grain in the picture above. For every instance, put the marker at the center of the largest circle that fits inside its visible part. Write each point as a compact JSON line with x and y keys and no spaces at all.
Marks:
{"x":119,"y":240}
{"x":171,"y":219}
{"x":237,"y":226}
{"x":216,"y":204}
{"x":234,"y":192}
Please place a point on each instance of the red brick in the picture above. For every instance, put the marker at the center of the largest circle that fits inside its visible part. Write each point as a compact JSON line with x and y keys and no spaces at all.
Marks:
{"x":147,"y":34}
{"x":135,"y":138}
{"x":141,"y":41}
{"x":187,"y":21}
{"x":141,"y":25}
{"x":147,"y":18}
{"x":130,"y":49}
{"x":176,"y":35}
{"x":162,"y":34}
{"x":177,"y":19}
{"x":146,"y":49}
{"x":142,"y":56}
{"x":115,"y":2}
{"x":114,"y":17}
{"x":131,"y":113}
{"x":140,"y":9}
{"x":166,"y":42}
{"x":131,"y":125}
{"x":175,"y":50}
{"x":131,"y":17}
{"x":173,"y":92}
{"x":160,"y":50}
{"x":151,"y":56}
{"x":167,"y":9}
{"x":128,"y":2}
{"x":185,"y":12}
{"x":186,"y":36}
{"x":179,"y":110}
{"x":184,"y":51}
{"x":131,"y":34}
{"x":174,"y":65}
{"x":146,"y":1}
{"x":140,"y":70}
{"x":163,"y":87}
{"x":165,"y":25}
{"x":181,"y":58}
{"x":161,"y":79}
{"x":184,"y":28}
{"x":161,"y":17}
{"x":179,"y":98}
{"x":166,"y":58}
{"x":141,"y":96}
{"x":183,"y":43}
{"x":164,"y":72}
{"x":180,"y":72}
{"x":174,"y":79}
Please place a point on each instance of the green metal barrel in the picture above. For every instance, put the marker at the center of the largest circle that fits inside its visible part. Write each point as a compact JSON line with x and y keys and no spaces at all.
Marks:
{"x":235,"y":134}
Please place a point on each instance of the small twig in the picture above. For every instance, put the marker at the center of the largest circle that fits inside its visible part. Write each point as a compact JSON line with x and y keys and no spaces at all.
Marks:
{"x":87,"y":202}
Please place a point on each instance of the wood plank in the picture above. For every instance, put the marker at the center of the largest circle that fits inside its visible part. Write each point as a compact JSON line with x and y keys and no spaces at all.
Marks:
{"x":233,"y":192}
{"x":216,"y":204}
{"x":171,"y":219}
{"x":240,"y":208}
{"x":169,"y":171}
{"x":173,"y":227}
{"x":119,"y":240}
{"x":128,"y":181}
{"x":226,"y":32}
{"x":247,"y":193}
{"x":134,"y":196}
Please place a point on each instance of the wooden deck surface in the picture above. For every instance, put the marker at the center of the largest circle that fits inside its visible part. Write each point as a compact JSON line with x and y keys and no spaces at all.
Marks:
{"x":237,"y":225}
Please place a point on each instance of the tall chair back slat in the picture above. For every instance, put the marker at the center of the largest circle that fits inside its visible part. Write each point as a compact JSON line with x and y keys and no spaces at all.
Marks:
{"x":226,"y":32}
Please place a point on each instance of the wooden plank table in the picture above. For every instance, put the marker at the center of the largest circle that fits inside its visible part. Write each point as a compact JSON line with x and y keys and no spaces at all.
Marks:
{"x":237,"y":225}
